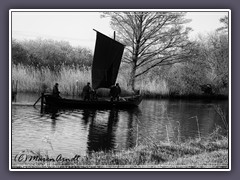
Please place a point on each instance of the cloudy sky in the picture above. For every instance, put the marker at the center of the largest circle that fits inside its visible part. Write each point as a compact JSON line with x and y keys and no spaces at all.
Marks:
{"x":77,"y":27}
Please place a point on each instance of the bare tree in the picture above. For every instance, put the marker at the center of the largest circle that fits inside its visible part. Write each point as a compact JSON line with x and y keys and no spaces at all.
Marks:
{"x":214,"y":52}
{"x":152,"y":39}
{"x":225,"y":24}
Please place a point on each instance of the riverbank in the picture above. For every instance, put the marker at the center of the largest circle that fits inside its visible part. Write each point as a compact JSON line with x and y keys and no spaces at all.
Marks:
{"x":210,"y":152}
{"x":27,"y":79}
{"x":187,"y":97}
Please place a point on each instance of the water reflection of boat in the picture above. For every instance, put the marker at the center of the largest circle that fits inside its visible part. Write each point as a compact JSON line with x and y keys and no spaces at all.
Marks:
{"x":105,"y":67}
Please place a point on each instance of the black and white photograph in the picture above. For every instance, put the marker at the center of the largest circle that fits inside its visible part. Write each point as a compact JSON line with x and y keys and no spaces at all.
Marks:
{"x":120,"y":89}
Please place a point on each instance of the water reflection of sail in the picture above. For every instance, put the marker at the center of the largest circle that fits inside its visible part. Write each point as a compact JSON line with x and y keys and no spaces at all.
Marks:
{"x":102,"y":133}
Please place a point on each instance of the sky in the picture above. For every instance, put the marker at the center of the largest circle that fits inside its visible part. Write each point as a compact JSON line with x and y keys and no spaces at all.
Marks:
{"x":77,"y":27}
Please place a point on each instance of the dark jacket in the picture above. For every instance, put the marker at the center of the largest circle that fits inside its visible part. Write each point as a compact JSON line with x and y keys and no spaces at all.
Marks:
{"x":55,"y":91}
{"x":118,"y":90}
{"x":86,"y":90}
{"x":115,"y":91}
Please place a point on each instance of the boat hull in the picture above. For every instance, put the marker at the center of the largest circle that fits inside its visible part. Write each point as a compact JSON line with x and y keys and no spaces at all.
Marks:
{"x":127,"y":102}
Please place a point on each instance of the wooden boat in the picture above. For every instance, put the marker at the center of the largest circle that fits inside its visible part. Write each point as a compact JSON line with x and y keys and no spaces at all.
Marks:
{"x":126,"y":102}
{"x":106,"y":62}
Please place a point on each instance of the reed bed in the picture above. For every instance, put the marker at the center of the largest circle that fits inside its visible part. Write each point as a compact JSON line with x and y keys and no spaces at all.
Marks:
{"x":31,"y":79}
{"x":153,"y":87}
{"x":72,"y":80}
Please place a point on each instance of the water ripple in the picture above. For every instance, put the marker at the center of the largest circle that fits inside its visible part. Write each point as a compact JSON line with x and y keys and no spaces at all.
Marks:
{"x":80,"y":131}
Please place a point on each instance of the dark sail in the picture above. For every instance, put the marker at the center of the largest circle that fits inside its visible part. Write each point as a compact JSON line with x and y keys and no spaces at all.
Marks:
{"x":106,"y":61}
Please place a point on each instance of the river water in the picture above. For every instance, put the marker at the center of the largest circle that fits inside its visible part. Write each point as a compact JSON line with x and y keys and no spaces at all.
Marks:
{"x":79,"y":131}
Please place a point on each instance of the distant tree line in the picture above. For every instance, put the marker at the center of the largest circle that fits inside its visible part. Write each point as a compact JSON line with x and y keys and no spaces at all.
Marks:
{"x":49,"y":53}
{"x":207,"y":72}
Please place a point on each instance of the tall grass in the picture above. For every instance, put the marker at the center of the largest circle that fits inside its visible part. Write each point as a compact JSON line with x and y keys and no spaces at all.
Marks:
{"x":153,"y":87}
{"x":72,"y":80}
{"x":31,"y":79}
{"x":212,"y":152}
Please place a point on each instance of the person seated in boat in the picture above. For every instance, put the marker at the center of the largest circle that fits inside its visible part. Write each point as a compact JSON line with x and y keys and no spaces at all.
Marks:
{"x":115,"y":92}
{"x":86,"y":92}
{"x":55,"y":91}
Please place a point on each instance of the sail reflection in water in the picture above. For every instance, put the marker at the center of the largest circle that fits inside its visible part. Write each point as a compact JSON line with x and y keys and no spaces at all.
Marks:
{"x":109,"y":131}
{"x":112,"y":132}
{"x":102,"y":131}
